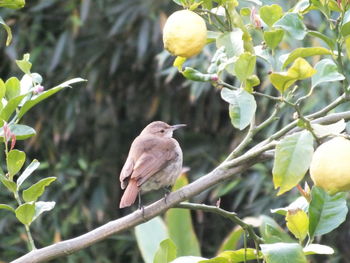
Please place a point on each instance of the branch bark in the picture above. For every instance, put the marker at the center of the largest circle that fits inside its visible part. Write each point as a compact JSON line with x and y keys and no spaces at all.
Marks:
{"x":223,"y":172}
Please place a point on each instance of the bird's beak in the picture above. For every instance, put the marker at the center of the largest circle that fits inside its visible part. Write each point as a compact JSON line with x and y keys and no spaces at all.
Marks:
{"x":177,"y":126}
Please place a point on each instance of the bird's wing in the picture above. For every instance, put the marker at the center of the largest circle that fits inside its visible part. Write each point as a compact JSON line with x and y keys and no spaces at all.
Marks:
{"x":151,"y":162}
{"x":126,"y":171}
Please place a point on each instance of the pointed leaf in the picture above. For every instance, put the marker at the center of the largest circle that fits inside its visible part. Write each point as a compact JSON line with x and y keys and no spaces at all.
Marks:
{"x":235,"y":256}
{"x":156,"y":229}
{"x":44,"y":95}
{"x":327,"y":71}
{"x":12,"y":88}
{"x":7,"y":207}
{"x":293,"y":24}
{"x":242,"y":106}
{"x":281,"y":81}
{"x":41,"y":207}
{"x":301,"y":69}
{"x":10,"y":185}
{"x":271,"y":13}
{"x":188,"y":259}
{"x":25,"y":64}
{"x":330,"y":129}
{"x":273,"y":37}
{"x":232,"y":41}
{"x":326,"y":212}
{"x":10,"y":108}
{"x":27,"y":172}
{"x":298,"y":223}
{"x":37,"y":189}
{"x":13,"y":4}
{"x":292,"y":160}
{"x":25,"y":213}
{"x":271,"y":232}
{"x":15,"y":160}
{"x":244,"y":66}
{"x":231,"y":241}
{"x":318,"y":249}
{"x":166,"y":252}
{"x":21,"y":131}
{"x":329,"y":41}
{"x":305,"y":52}
{"x":283,"y":253}
{"x":180,"y":226}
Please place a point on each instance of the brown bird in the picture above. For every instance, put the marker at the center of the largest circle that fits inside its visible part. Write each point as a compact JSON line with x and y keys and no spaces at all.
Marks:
{"x":154,"y":161}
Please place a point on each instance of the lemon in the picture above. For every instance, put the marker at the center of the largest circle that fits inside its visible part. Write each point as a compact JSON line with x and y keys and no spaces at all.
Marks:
{"x":330,"y":165}
{"x":184,"y":34}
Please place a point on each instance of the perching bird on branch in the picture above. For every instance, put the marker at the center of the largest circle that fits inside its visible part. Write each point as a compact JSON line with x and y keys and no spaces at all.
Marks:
{"x":154,"y":161}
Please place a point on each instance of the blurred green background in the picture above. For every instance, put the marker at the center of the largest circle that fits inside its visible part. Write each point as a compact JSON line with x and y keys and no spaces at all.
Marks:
{"x":84,"y":133}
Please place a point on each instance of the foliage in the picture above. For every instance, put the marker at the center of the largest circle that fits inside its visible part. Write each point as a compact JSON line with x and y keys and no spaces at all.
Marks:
{"x":103,"y":119}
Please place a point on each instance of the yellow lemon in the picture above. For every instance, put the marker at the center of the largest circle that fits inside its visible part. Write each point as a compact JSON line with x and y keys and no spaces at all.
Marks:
{"x":330,"y":165}
{"x":184,"y":34}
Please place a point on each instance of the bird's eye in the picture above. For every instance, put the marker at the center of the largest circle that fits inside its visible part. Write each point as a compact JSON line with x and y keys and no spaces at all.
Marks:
{"x":162,"y":131}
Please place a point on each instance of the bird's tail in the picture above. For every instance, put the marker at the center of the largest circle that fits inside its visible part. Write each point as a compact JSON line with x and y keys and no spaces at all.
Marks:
{"x":130,"y":194}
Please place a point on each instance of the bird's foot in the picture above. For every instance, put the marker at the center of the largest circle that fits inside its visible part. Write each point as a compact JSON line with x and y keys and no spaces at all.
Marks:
{"x":167,"y":192}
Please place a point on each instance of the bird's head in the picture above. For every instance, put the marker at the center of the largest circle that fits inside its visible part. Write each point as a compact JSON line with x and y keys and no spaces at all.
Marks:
{"x":161,"y":129}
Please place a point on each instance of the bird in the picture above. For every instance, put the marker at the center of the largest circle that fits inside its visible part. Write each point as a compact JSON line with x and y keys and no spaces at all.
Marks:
{"x":154,"y":161}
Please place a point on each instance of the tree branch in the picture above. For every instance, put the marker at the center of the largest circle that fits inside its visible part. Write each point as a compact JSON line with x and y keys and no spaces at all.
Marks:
{"x":224,"y":171}
{"x":70,"y":246}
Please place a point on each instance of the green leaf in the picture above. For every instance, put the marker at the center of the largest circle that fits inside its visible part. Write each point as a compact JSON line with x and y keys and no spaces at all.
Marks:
{"x":326,"y":71}
{"x":271,"y":232}
{"x":166,"y":252}
{"x":330,"y":129}
{"x":15,"y":160}
{"x":251,"y":82}
{"x":10,"y":108}
{"x":326,"y":212}
{"x":347,"y":46}
{"x":25,"y":64}
{"x":25,"y":213}
{"x":36,"y":190}
{"x":305,"y":52}
{"x":12,"y":88}
{"x":178,"y":62}
{"x":293,"y":24}
{"x":44,"y":95}
{"x":8,"y":30}
{"x":27,"y":172}
{"x":231,"y":241}
{"x":148,"y":236}
{"x":329,"y":41}
{"x":180,"y":227}
{"x":41,"y":207}
{"x":244,"y":66}
{"x":232,"y":41}
{"x":345,"y":28}
{"x":281,"y":80}
{"x":300,"y":203}
{"x":318,"y":249}
{"x":283,"y":253}
{"x":292,"y":160}
{"x":298,"y":223}
{"x":10,"y":185}
{"x":13,"y":4}
{"x":270,"y":14}
{"x":273,"y":37}
{"x":2,"y":89}
{"x":21,"y":131}
{"x":7,"y":207}
{"x":242,"y":106}
{"x":235,"y":256}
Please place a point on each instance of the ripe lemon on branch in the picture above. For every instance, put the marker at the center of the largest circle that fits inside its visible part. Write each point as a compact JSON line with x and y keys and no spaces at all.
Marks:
{"x":184,"y":34}
{"x":330,"y":165}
